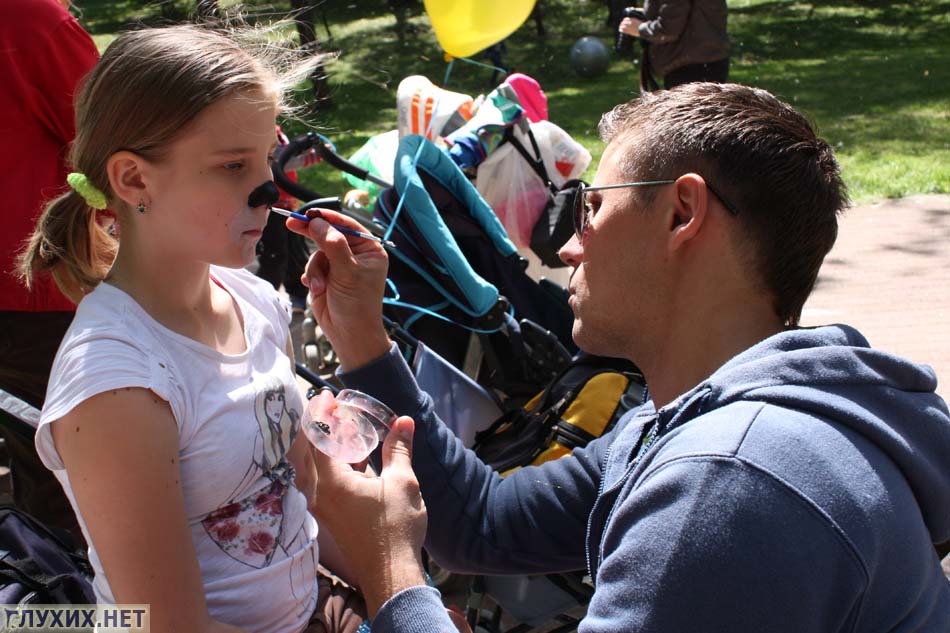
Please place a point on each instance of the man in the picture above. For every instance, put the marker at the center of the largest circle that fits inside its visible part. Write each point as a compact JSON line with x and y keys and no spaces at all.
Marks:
{"x":687,"y":39}
{"x":780,"y":479}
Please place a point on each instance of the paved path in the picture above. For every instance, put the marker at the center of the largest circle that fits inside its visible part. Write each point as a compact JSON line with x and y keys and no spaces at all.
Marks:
{"x":889,"y":276}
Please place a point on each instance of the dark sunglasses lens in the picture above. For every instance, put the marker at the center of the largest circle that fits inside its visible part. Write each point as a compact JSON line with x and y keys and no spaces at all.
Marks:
{"x":579,"y":219}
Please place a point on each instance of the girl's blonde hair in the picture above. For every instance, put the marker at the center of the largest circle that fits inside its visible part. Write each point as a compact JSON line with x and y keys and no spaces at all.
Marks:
{"x":147,"y":87}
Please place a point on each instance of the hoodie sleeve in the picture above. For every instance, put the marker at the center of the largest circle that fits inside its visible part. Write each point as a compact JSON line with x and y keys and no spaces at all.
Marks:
{"x":413,"y":610}
{"x":711,"y":543}
{"x":532,"y":521}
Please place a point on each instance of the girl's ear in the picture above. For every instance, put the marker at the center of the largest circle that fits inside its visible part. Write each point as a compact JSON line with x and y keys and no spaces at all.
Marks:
{"x":126,"y":177}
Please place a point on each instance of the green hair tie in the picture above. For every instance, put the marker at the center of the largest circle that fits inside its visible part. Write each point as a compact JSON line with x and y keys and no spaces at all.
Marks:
{"x":81,"y":185}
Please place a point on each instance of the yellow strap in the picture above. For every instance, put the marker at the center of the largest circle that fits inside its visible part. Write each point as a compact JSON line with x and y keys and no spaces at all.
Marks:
{"x":593,"y":407}
{"x":555,"y":451}
{"x":591,"y":411}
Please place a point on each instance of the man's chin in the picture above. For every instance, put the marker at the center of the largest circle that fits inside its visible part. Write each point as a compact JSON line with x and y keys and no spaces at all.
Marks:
{"x":589,"y":342}
{"x":582,"y":340}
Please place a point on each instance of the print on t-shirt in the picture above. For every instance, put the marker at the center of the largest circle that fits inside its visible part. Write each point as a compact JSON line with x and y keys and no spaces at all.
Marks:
{"x":251,"y":530}
{"x":278,"y":424}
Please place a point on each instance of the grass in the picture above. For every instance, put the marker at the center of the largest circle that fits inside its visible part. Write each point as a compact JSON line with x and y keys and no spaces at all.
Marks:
{"x":873,"y":74}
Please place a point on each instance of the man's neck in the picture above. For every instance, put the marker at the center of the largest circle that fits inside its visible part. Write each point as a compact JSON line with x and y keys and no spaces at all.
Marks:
{"x":694,"y":350}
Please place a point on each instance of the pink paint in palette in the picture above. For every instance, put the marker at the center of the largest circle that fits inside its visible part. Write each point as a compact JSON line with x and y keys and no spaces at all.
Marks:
{"x":348,"y":427}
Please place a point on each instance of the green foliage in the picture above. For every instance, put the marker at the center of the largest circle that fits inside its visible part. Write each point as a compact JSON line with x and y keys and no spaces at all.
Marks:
{"x":873,"y":74}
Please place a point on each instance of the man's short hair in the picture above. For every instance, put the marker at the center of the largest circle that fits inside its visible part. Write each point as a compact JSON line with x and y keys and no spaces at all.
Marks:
{"x":762,"y":155}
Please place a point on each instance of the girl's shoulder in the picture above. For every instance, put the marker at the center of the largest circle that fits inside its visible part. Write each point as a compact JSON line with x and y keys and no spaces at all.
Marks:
{"x":114,"y":342}
{"x":105,"y":311}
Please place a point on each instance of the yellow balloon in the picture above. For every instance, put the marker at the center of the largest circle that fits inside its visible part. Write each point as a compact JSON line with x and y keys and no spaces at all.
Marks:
{"x":464,"y":27}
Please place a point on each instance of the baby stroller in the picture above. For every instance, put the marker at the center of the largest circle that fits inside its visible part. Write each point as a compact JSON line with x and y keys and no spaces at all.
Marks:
{"x":34,"y":488}
{"x":458,"y":283}
{"x":302,"y":152}
{"x":42,"y":553}
{"x":455,"y":261}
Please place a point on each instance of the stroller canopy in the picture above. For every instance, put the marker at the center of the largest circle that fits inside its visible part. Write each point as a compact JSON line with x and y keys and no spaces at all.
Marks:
{"x":416,"y":154}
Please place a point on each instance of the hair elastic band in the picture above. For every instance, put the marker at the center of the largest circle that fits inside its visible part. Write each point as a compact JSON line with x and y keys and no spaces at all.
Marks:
{"x":81,"y":185}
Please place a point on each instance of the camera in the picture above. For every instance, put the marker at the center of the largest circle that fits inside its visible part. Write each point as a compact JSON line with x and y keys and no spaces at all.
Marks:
{"x":624,"y":44}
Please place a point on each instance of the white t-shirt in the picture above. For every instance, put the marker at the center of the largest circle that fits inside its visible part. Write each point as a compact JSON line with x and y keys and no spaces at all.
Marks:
{"x":237,"y":416}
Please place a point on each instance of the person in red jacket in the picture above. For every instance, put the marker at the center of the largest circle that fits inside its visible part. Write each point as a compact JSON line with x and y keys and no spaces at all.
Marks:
{"x":45,"y":54}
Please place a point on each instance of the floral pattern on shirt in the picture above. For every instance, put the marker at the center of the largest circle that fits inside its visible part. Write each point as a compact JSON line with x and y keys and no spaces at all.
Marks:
{"x":249,"y":530}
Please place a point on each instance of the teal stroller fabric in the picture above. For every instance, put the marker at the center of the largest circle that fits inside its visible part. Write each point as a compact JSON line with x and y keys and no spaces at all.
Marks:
{"x":454,"y":259}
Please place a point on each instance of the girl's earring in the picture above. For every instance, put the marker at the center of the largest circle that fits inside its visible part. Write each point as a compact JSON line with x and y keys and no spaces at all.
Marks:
{"x":141,"y":207}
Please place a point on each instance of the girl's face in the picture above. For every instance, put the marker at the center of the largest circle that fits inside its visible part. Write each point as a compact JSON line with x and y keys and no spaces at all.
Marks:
{"x":198,"y":191}
{"x":274,"y":405}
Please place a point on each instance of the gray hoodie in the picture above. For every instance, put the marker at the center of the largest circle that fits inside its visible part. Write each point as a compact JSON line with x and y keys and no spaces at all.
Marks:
{"x":799,"y":488}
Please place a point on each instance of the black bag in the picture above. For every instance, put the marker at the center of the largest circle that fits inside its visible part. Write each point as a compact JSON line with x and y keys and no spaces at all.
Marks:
{"x":38,"y":566}
{"x":582,"y":403}
{"x":555,"y":225}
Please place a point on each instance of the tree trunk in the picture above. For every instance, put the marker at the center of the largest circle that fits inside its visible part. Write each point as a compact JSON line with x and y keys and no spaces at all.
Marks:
{"x":400,"y":9}
{"x":538,"y":14}
{"x":305,"y":18}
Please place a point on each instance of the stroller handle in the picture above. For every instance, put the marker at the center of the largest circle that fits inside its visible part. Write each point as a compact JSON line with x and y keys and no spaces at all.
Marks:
{"x":282,"y":156}
{"x":335,"y":160}
{"x":303,"y":143}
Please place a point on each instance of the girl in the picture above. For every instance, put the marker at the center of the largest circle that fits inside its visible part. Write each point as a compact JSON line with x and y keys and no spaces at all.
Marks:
{"x":173,"y":413}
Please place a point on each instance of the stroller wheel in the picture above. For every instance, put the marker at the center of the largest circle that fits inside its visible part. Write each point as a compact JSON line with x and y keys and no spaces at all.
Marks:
{"x":319,"y":355}
{"x":327,"y":355}
{"x":311,"y":357}
{"x":440,"y":576}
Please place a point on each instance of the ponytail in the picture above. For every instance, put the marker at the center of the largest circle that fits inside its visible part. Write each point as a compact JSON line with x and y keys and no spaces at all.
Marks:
{"x":71,"y":244}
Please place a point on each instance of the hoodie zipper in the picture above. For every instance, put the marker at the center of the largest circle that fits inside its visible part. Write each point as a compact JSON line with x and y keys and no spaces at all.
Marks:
{"x":648,"y":428}
{"x":648,"y":439}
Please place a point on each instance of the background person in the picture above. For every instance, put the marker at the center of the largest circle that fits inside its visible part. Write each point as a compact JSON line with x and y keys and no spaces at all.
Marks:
{"x":780,"y":478}
{"x":45,"y":54}
{"x":173,"y":415}
{"x":688,"y":39}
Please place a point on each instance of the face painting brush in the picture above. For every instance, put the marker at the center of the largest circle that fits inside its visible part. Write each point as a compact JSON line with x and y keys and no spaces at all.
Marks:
{"x":315,"y":213}
{"x":267,"y":194}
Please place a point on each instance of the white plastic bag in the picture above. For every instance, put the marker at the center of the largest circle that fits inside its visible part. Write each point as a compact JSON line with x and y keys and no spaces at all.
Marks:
{"x":514,"y":190}
{"x":564,"y":158}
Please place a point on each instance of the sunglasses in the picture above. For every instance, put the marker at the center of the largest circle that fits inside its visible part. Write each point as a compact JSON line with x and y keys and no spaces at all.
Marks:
{"x":584,"y":211}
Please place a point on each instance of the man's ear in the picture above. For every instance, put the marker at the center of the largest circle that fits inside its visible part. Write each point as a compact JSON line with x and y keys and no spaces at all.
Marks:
{"x":126,"y":173}
{"x":689,"y":208}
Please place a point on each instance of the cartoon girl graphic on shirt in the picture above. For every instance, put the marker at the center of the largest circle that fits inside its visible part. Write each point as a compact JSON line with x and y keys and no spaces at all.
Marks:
{"x":252,"y":529}
{"x":277,"y":424}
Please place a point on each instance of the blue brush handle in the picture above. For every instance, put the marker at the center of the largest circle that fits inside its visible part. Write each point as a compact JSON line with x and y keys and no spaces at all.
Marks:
{"x":341,"y":229}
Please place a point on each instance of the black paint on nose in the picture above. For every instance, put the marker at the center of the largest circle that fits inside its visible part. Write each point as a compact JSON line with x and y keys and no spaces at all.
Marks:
{"x":266,"y":194}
